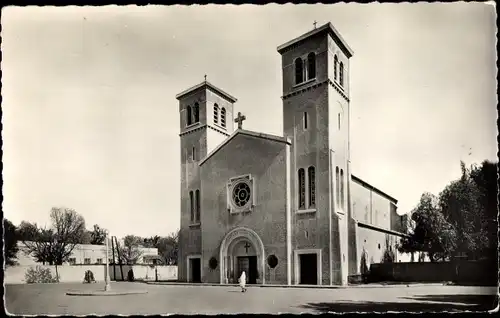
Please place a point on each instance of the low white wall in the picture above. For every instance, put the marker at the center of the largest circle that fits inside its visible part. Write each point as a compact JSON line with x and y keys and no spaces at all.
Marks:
{"x":144,"y":272}
{"x":16,"y":274}
{"x":76,"y":273}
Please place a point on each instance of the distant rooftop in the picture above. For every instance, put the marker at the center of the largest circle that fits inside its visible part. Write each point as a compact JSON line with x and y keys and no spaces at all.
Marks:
{"x":203,"y":85}
{"x":328,"y":27}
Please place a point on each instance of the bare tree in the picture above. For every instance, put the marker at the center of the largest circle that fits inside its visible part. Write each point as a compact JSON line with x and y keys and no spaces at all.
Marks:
{"x":55,"y":244}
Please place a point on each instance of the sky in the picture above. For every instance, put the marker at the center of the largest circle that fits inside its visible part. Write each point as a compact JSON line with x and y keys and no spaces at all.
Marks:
{"x":90,"y":119}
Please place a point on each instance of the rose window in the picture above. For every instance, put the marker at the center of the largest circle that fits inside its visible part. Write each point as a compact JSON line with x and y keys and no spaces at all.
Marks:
{"x":241,"y":194}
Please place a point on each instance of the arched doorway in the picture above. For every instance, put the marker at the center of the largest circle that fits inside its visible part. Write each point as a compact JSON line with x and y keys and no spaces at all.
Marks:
{"x":242,"y":249}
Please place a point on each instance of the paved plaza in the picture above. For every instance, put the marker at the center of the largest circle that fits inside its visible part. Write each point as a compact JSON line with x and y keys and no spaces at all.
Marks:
{"x":51,"y":299}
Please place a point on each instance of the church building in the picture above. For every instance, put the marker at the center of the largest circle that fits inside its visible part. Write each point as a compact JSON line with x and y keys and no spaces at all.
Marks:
{"x":284,"y":209}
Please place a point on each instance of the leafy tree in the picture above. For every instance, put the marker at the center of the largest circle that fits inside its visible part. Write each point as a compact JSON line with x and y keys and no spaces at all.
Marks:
{"x":168,"y":248}
{"x":86,"y":237}
{"x":55,"y":244}
{"x":460,"y":203}
{"x":152,"y":242}
{"x":98,"y":235}
{"x":130,"y":252}
{"x":431,"y":232}
{"x":10,"y":242}
{"x":486,"y":178}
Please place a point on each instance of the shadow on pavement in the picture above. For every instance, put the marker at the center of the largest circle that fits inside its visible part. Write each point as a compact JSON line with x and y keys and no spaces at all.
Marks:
{"x":424,"y":303}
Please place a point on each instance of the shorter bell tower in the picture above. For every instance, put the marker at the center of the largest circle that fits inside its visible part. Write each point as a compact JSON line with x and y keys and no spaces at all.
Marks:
{"x":206,"y":120}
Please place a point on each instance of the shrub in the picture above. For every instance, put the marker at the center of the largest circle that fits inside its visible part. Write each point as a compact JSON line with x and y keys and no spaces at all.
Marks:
{"x":89,"y":277}
{"x":388,"y":256}
{"x":364,"y":263}
{"x":40,"y":275}
{"x":364,"y":269}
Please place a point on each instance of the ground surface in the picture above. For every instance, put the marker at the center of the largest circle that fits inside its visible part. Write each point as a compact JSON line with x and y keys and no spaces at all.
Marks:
{"x":52,"y":299}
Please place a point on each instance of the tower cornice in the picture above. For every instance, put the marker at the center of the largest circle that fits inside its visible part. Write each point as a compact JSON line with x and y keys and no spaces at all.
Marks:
{"x":316,"y":85}
{"x":200,"y":127}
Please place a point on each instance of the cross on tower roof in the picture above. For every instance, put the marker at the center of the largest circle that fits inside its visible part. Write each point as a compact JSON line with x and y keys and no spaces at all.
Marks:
{"x":205,"y":77}
{"x":240,"y":120}
{"x":315,"y":24}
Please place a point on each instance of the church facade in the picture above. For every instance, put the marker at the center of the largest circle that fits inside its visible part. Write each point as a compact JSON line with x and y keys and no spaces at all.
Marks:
{"x":285,"y":209}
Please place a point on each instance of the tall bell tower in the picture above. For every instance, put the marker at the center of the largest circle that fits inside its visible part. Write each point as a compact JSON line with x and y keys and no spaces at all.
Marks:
{"x":206,"y":120}
{"x":316,"y":112}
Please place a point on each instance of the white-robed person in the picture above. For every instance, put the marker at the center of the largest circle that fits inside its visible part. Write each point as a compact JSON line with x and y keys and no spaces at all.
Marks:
{"x":242,"y":280}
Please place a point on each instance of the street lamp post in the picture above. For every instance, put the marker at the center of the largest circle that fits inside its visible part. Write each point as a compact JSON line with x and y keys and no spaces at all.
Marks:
{"x":108,"y":286}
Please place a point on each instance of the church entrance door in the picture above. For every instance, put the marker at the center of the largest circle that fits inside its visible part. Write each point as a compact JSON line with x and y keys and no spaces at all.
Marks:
{"x":195,"y":270}
{"x":249,"y":265}
{"x":242,"y":250}
{"x":308,"y":269}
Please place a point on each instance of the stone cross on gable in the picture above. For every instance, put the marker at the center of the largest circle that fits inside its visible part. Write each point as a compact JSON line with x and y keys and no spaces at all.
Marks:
{"x":205,"y":77}
{"x":315,"y":24}
{"x":240,"y":120}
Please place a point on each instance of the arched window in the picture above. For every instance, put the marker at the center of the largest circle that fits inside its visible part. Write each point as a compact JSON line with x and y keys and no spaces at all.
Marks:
{"x":196,"y":110}
{"x":191,"y":205}
{"x":302,"y":189}
{"x":223,"y":117}
{"x":311,"y":65}
{"x":198,"y":205}
{"x":299,"y":72}
{"x":337,"y":185}
{"x":311,"y":174}
{"x":305,"y":120}
{"x":188,"y":116}
{"x":335,"y":62}
{"x":341,"y":75}
{"x":216,"y":113}
{"x":342,"y":188}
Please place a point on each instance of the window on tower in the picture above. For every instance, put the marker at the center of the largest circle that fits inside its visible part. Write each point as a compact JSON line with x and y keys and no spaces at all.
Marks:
{"x":223,"y":117}
{"x":191,"y":205}
{"x":216,"y":113}
{"x":302,"y":188}
{"x":339,"y":120}
{"x":311,"y":173}
{"x":193,"y":153}
{"x":337,"y":186}
{"x":341,"y":74}
{"x":299,"y":72}
{"x":311,"y":65}
{"x":305,"y":119}
{"x":342,"y":188}
{"x":198,"y":206}
{"x":335,"y":62}
{"x":196,"y":110}
{"x":188,"y":115}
